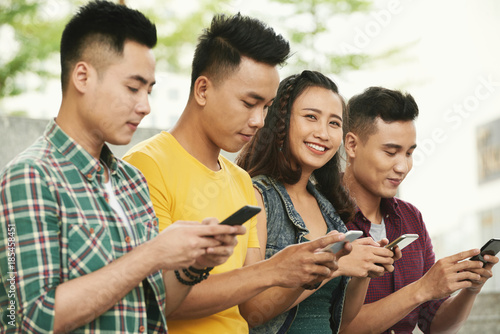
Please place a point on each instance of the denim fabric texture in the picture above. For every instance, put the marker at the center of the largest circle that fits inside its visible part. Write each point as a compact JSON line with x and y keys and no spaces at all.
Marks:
{"x":285,"y":227}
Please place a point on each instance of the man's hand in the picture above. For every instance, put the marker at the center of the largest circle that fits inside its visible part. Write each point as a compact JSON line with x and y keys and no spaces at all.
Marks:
{"x":184,"y":244}
{"x":367,"y":259}
{"x":450,"y":274}
{"x":396,"y":251}
{"x":217,"y":255}
{"x":485,"y":273}
{"x":305,"y":264}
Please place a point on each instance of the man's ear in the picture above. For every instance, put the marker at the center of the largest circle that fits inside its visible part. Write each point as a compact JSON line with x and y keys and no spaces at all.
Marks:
{"x":351,"y":142}
{"x":200,"y":90}
{"x":81,"y":76}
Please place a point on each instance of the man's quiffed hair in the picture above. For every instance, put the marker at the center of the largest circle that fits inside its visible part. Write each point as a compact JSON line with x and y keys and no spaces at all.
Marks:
{"x":389,"y":105}
{"x":100,"y":27}
{"x":228,"y":38}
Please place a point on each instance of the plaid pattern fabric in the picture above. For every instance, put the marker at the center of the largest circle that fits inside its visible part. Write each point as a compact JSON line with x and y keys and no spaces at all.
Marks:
{"x":56,"y":225}
{"x":401,"y":217}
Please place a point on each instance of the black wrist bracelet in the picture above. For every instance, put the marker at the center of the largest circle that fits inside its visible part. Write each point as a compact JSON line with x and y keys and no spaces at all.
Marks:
{"x":190,"y":275}
{"x":200,"y":271}
{"x":182,"y":280}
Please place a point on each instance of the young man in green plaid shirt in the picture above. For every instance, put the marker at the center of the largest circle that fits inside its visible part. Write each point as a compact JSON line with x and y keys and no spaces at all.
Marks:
{"x":80,"y":249}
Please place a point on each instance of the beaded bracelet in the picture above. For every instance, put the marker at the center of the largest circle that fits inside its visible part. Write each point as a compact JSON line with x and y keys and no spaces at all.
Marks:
{"x":182,"y":280}
{"x":202,"y":275}
{"x":200,"y":271}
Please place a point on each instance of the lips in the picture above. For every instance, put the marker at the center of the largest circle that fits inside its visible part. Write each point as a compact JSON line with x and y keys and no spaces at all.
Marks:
{"x":133,"y":125}
{"x":246,"y":137}
{"x":395,"y":182}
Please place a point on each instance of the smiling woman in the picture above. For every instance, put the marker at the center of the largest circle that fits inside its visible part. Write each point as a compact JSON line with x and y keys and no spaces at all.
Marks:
{"x":296,"y":174}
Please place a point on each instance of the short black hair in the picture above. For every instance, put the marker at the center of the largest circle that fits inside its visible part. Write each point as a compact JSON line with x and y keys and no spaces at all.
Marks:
{"x":389,"y":105}
{"x":221,"y":46}
{"x":102,"y":27}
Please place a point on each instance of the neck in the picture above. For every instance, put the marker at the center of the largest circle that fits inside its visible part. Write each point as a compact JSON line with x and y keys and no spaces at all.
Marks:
{"x":73,"y":126}
{"x":191,"y":136}
{"x":366,"y":201}
{"x":299,"y":189}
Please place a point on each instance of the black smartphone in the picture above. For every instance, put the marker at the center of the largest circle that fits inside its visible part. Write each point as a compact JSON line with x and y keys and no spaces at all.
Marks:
{"x":242,"y":215}
{"x":492,"y":247}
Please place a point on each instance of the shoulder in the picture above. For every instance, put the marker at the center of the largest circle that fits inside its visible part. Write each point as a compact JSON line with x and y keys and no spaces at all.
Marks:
{"x":39,"y":156}
{"x":263,"y":183}
{"x":154,"y":147}
{"x":405,"y":207}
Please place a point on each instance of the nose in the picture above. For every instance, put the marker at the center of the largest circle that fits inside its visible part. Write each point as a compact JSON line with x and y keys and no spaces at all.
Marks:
{"x":321,"y":131}
{"x":143,"y":107}
{"x":257,"y":118}
{"x":404,"y":165}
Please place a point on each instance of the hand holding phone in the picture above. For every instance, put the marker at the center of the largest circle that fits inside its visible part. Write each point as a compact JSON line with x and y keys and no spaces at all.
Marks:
{"x":242,"y":215}
{"x":402,"y":241}
{"x":349,"y":237}
{"x":492,"y":247}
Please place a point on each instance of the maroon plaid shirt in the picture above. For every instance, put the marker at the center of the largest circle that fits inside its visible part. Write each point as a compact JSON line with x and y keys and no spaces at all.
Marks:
{"x":401,"y":217}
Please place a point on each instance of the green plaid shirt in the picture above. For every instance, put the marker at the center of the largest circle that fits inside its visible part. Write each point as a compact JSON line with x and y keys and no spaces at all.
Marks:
{"x":56,"y":225}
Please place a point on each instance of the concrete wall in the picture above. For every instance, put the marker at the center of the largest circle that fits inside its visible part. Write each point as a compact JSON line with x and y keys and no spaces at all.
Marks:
{"x":17,"y":133}
{"x":485,"y":315}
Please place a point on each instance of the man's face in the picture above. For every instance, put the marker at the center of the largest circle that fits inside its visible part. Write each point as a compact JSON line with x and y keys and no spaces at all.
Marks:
{"x":118,"y":98}
{"x":236,"y":107}
{"x":383,"y":160}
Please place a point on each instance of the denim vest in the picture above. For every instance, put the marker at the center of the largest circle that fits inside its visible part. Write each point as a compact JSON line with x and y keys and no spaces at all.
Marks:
{"x":285,"y":227}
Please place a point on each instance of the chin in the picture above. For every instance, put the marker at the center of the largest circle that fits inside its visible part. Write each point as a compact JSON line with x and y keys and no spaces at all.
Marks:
{"x":232,"y":148}
{"x":120,"y":141}
{"x":389,"y":194}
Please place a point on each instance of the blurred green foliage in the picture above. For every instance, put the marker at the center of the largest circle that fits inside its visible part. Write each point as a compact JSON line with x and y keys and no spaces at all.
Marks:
{"x":36,"y":37}
{"x":38,"y":24}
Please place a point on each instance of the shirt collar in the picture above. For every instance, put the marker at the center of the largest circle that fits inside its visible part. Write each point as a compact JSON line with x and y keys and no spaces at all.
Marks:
{"x":76,"y":154}
{"x":388,"y":206}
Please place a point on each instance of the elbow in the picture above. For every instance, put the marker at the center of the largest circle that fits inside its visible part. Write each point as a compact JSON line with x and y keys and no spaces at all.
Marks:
{"x":252,"y":316}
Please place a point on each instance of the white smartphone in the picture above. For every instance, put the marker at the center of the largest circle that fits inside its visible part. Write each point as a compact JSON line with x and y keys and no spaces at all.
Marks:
{"x":402,"y":241}
{"x":349,"y":237}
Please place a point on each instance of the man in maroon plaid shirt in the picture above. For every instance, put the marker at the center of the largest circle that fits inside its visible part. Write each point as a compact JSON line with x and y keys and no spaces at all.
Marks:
{"x":380,"y":138}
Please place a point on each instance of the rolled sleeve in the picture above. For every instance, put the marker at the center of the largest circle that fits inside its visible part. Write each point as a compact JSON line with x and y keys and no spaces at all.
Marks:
{"x":29,"y":214}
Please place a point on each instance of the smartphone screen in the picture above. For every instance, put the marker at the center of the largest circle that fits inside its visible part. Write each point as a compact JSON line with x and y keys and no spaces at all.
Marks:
{"x":242,"y":215}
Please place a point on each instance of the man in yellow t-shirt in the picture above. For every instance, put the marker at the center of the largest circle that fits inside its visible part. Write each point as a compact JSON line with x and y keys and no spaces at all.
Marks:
{"x":234,"y":80}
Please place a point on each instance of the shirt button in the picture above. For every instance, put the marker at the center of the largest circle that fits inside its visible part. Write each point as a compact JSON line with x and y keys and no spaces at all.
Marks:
{"x":155,"y":223}
{"x":127,"y":239}
{"x":91,"y":230}
{"x":106,"y":199}
{"x":393,"y":332}
{"x":89,"y":176}
{"x":386,"y":216}
{"x":98,"y":168}
{"x":142,"y":329}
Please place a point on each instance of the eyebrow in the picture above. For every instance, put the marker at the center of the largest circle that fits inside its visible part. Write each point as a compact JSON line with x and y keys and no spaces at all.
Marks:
{"x":396,"y":146}
{"x":320,"y":112}
{"x":256,"y":96}
{"x":141,"y":79}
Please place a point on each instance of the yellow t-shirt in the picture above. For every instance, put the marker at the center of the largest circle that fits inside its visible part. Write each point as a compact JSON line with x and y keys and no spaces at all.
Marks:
{"x":182,"y":188}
